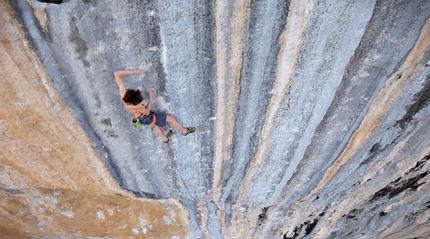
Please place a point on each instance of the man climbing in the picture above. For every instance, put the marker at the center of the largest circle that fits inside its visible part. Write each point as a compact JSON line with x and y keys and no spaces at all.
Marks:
{"x":132,"y":99}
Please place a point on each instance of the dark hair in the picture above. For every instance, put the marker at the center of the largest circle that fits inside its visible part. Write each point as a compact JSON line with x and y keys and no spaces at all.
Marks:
{"x":132,"y":96}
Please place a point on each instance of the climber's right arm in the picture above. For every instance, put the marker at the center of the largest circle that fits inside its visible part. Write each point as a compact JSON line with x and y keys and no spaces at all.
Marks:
{"x":120,"y":82}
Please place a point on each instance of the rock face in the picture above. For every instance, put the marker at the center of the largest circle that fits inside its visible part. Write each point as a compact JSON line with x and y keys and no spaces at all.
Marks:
{"x":312,"y":119}
{"x":52,"y":182}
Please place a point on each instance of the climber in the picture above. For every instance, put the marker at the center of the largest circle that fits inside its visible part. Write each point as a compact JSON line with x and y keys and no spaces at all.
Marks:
{"x":132,"y":99}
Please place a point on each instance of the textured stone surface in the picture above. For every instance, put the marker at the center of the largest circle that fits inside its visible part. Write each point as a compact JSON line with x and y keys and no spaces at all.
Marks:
{"x":312,"y":116}
{"x":52,"y":182}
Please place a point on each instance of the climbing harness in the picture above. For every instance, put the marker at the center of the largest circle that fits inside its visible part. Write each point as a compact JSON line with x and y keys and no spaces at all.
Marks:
{"x":150,"y":119}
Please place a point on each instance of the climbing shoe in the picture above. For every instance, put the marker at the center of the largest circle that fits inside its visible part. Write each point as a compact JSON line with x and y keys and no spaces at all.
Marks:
{"x":190,"y":130}
{"x":168,"y":135}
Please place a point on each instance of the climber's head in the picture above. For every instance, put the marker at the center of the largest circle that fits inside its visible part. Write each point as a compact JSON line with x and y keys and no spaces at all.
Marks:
{"x":133,"y":97}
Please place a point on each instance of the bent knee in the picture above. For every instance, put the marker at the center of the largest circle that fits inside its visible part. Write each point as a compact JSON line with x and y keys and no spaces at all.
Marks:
{"x":170,"y":118}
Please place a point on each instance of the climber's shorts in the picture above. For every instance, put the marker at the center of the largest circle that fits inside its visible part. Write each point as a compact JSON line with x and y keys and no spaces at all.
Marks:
{"x":158,"y":119}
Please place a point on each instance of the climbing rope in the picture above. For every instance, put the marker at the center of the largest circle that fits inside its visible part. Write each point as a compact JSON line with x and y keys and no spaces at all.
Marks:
{"x":174,"y":162}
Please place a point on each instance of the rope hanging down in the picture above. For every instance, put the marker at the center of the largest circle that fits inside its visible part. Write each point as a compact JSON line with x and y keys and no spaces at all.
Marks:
{"x":174,"y":162}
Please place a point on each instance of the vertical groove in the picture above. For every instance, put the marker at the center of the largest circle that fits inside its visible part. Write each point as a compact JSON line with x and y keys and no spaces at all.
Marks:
{"x":229,"y":52}
{"x":291,"y":41}
{"x":382,"y":104}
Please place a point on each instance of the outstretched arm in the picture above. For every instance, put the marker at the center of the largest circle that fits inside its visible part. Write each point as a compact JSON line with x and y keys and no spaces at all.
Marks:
{"x":120,"y":82}
{"x":151,"y":96}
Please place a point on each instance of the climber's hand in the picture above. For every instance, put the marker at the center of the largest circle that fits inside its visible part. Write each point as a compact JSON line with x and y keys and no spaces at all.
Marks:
{"x":151,"y":94}
{"x":139,"y":72}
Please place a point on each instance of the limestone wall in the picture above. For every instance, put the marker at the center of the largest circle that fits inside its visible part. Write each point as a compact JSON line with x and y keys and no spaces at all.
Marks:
{"x":52,"y":181}
{"x":312,"y":117}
